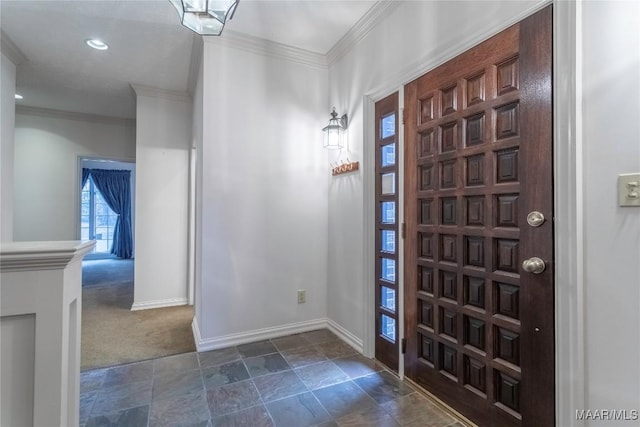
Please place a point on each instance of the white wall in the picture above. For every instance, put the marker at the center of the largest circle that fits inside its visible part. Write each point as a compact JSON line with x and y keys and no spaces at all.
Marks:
{"x":415,"y":37}
{"x":163,"y":136}
{"x":611,"y":144}
{"x":7,"y":121}
{"x":47,"y":147}
{"x":264,"y":194}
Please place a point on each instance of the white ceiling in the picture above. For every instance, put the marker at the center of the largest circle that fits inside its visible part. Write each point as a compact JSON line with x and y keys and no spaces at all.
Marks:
{"x":148,"y":46}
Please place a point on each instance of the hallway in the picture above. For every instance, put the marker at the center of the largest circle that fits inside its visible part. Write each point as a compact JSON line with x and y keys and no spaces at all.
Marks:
{"x":308,"y":379}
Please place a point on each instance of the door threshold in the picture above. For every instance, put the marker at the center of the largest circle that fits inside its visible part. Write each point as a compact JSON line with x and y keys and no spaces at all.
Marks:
{"x":440,"y":404}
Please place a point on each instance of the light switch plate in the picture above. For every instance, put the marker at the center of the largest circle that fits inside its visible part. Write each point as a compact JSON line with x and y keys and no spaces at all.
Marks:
{"x":629,"y":189}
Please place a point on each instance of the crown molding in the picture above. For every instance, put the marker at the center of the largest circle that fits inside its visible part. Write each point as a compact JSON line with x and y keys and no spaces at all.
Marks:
{"x":71,"y":115}
{"x":269,"y":48}
{"x":378,"y":12}
{"x":154,"y":92}
{"x":9,"y":48}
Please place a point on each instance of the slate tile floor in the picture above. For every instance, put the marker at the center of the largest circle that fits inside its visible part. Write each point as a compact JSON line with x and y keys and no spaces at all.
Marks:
{"x":308,"y":379}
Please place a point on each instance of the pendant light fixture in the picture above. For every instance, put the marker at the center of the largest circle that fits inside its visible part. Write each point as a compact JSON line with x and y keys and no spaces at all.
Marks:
{"x":205,"y":17}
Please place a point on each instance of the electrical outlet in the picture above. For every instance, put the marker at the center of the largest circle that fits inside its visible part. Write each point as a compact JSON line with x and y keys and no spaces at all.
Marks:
{"x":629,"y":189}
{"x":302,"y":296}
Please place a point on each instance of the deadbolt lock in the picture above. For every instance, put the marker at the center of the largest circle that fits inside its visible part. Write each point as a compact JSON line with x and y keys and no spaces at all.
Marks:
{"x":535,"y":219}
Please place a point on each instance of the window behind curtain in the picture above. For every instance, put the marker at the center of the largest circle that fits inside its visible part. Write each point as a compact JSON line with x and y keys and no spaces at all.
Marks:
{"x":98,"y":220}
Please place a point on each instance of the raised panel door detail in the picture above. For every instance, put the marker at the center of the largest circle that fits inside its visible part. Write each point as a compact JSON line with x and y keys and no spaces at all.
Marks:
{"x":508,"y":391}
{"x":448,"y":285}
{"x":474,"y":291}
{"x":475,"y":374}
{"x":474,"y":211}
{"x":474,"y":251}
{"x":507,"y":345}
{"x":507,"y":210}
{"x":449,"y":323}
{"x":476,"y":89}
{"x":426,"y":212}
{"x":449,"y":360}
{"x":474,"y":332}
{"x":449,"y":96}
{"x":425,"y":278}
{"x":507,"y":166}
{"x":426,"y":109}
{"x":507,"y":121}
{"x":475,"y":170}
{"x":426,"y":173}
{"x":507,"y":300}
{"x":427,"y":144}
{"x":426,"y":348}
{"x":448,"y":137}
{"x":448,"y":174}
{"x":507,"y":77}
{"x":426,"y":313}
{"x":448,"y":250}
{"x":426,"y":245}
{"x":474,"y":130}
{"x":507,"y":255}
{"x":448,"y":211}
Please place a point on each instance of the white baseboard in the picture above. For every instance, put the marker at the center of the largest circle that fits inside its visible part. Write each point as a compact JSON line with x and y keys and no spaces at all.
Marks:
{"x":345,"y":335}
{"x":274,"y":332}
{"x":159,"y":304}
{"x":255,"y":335}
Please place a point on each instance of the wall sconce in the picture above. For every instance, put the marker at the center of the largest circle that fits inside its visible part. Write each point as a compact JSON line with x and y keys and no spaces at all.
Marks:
{"x":335,"y":131}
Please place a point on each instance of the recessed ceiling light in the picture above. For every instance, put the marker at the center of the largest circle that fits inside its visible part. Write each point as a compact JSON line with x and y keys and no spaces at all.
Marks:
{"x":97,"y":44}
{"x":18,"y":96}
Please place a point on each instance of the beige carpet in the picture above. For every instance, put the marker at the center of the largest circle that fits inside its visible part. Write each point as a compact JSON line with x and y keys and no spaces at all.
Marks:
{"x":112,"y":334}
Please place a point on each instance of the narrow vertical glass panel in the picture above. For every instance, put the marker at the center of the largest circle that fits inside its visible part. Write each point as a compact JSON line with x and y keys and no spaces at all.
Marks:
{"x":388,"y":126}
{"x":388,"y":212}
{"x":388,"y":298}
{"x":388,"y":241}
{"x":388,"y":154}
{"x":388,"y":327}
{"x":389,"y":183}
{"x":388,"y":271}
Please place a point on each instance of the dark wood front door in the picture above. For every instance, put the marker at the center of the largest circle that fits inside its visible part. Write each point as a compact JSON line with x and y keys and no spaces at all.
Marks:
{"x":478,"y":160}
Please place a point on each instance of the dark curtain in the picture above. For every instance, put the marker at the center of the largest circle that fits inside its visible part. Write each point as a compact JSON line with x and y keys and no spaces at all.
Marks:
{"x":115,"y":187}
{"x":85,"y":177}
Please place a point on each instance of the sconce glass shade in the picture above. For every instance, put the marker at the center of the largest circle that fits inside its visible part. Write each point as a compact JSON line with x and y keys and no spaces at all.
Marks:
{"x":335,"y":131}
{"x":205,"y":17}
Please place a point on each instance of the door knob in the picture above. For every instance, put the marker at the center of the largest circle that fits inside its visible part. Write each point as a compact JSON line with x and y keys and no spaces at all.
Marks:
{"x":533,"y":265}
